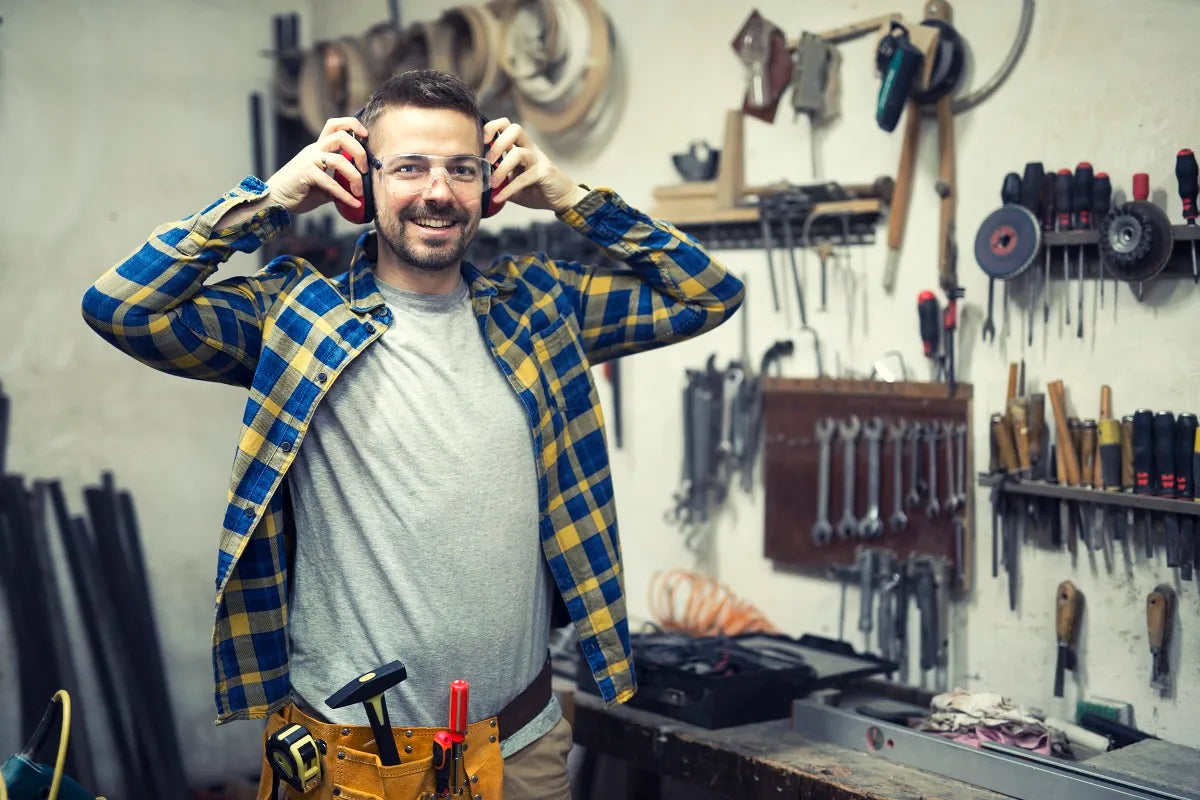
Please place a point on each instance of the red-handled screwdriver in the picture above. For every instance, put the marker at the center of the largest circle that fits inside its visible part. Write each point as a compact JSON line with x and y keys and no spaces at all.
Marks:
{"x":442,"y":746}
{"x":1186,"y":173}
{"x":1082,"y":206}
{"x":1062,"y":203}
{"x":459,"y":695}
{"x":1141,"y":191}
{"x":927,"y":313}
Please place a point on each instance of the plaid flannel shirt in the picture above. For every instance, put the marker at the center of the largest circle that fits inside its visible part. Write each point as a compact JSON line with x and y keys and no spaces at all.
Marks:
{"x":286,"y":334}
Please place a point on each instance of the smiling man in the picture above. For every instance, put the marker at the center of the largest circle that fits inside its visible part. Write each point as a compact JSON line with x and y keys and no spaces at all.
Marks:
{"x":422,"y":472}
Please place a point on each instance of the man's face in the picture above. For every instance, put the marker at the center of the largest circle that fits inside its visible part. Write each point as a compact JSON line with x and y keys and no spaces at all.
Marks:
{"x":431,"y":229}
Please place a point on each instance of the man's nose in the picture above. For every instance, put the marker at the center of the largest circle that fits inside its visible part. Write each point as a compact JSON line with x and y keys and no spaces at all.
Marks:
{"x":439,"y":184}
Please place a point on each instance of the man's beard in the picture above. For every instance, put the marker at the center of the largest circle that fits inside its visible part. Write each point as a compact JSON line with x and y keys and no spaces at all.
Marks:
{"x":406,"y":244}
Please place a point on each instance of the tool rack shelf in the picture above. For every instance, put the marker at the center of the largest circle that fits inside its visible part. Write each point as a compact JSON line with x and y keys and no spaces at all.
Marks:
{"x":840,"y":222}
{"x":1056,"y":491}
{"x":1179,"y":265}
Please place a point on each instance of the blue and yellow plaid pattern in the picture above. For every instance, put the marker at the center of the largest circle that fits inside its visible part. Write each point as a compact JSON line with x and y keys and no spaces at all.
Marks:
{"x":287,"y":333}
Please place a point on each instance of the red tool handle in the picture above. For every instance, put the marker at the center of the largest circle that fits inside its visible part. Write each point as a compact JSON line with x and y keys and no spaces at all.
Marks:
{"x":1063,"y":186}
{"x":1141,"y":185}
{"x":459,"y":694}
{"x":927,"y":312}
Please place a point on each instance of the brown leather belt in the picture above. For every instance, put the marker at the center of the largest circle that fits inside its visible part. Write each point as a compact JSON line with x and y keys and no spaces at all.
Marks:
{"x":521,"y":710}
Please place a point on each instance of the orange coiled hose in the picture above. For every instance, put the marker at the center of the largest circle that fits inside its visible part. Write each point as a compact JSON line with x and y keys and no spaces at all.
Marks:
{"x":686,"y":602}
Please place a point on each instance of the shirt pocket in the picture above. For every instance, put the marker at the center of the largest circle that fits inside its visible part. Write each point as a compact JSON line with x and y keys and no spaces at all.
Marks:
{"x":563,"y":367}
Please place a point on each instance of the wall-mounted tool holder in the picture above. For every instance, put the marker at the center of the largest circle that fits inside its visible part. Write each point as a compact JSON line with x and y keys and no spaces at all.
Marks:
{"x":1179,"y":264}
{"x":797,"y":414}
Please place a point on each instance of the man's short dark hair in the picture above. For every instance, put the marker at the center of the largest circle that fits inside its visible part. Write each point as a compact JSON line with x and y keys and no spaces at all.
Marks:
{"x":421,"y":88}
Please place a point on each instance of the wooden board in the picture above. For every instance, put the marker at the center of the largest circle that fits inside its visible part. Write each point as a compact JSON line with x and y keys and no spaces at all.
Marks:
{"x":791,"y":456}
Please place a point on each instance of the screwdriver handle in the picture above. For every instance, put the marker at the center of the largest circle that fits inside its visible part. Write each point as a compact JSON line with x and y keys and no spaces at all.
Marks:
{"x":1127,"y":453}
{"x":1101,"y":197}
{"x":1185,"y":438}
{"x":1031,"y":186}
{"x":1110,"y":454}
{"x":1087,"y":452}
{"x":1066,"y":612}
{"x":459,"y":699}
{"x":1164,"y":453}
{"x":1186,"y":173}
{"x":1062,"y":198}
{"x":1143,"y":451}
{"x":1141,"y":186}
{"x":927,"y":313}
{"x":1010,"y":190}
{"x":1081,"y":199}
{"x":1037,"y":426}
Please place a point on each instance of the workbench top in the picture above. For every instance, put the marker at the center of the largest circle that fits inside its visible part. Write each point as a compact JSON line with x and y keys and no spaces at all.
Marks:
{"x":762,"y":760}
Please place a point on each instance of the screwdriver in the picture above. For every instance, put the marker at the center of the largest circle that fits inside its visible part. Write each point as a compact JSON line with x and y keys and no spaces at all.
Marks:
{"x":927,"y":313}
{"x":1186,"y":174}
{"x":1101,"y":202}
{"x":1047,"y":226}
{"x":1185,"y":438}
{"x":1082,"y":206}
{"x":1164,"y":468}
{"x":1062,"y":204}
{"x":1141,"y":191}
{"x":1143,"y":464}
{"x":1031,"y":188}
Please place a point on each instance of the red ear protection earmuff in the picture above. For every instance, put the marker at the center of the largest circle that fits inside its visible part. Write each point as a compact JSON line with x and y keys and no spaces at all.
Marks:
{"x":366,"y":212}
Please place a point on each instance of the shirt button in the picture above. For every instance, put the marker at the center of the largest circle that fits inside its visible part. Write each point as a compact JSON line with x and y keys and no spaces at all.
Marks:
{"x":369,"y":328}
{"x":286,"y":447}
{"x":249,"y":512}
{"x":322,"y":377}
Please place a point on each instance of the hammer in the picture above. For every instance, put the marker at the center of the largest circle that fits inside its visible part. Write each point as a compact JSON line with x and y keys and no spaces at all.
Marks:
{"x":368,"y":689}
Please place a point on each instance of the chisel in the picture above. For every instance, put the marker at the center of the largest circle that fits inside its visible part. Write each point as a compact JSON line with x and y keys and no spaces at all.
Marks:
{"x":1164,"y":470}
{"x":1066,"y":625}
{"x":1185,"y":438}
{"x":1160,"y":604}
{"x":1143,"y":466}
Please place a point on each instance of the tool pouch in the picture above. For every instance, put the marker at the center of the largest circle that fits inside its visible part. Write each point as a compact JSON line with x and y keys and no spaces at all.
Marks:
{"x":350,"y":768}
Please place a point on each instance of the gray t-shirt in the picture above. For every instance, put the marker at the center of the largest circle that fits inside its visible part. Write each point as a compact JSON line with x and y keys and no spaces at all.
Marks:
{"x":416,"y":512}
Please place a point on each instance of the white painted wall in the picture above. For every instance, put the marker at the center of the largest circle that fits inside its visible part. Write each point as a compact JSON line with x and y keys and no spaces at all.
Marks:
{"x":143,"y":118}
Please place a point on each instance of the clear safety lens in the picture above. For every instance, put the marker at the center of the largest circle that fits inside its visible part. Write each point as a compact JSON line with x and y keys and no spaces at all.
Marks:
{"x":412,"y":173}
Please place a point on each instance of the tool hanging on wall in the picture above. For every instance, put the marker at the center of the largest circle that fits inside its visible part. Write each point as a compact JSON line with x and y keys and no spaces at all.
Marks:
{"x":1160,"y":608}
{"x":1066,"y":623}
{"x":1007,"y":242}
{"x":1136,"y":238}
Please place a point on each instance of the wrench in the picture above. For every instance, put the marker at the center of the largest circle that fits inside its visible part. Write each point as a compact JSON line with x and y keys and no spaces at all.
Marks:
{"x":931,"y":436}
{"x":896,"y":433}
{"x":989,"y":327}
{"x":871,"y":526}
{"x":848,"y":430}
{"x":913,"y":499}
{"x":960,"y":434}
{"x":822,"y":531}
{"x":951,"y":504}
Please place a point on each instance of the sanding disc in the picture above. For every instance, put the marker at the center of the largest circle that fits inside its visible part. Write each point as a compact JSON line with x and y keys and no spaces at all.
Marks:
{"x":1136,"y":241}
{"x":1007,"y":242}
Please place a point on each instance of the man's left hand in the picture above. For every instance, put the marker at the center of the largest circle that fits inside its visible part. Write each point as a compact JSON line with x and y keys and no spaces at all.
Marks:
{"x":537,"y":182}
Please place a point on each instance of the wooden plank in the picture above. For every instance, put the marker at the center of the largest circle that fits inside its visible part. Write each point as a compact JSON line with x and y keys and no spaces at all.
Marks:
{"x":763,"y":760}
{"x":690,"y":212}
{"x":730,"y":173}
{"x":791,"y":454}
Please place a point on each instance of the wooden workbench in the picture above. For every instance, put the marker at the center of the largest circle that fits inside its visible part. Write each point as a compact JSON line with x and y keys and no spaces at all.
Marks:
{"x":763,"y":760}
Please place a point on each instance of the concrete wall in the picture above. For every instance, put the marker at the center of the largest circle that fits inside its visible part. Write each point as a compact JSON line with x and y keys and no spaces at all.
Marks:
{"x":144,"y":119}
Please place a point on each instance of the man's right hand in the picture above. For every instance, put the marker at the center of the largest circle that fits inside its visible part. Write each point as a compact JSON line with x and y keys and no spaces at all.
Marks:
{"x":303,"y":183}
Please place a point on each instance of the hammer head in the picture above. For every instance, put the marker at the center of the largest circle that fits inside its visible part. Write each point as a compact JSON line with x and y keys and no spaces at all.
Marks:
{"x":368,"y":685}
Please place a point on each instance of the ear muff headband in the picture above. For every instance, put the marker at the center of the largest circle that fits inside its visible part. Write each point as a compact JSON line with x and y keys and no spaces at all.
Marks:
{"x":366,"y":212}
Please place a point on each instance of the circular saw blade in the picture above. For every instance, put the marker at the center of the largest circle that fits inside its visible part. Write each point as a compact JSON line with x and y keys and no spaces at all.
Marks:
{"x":1136,"y":241}
{"x":1007,"y":242}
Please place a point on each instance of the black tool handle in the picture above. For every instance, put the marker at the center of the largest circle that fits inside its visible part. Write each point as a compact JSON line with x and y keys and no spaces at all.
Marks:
{"x":1081,"y":199}
{"x":1031,"y":186}
{"x":1164,"y":453}
{"x":926,"y":594}
{"x":1047,"y":202}
{"x":927,"y":312}
{"x":1185,"y":438}
{"x":1186,"y":173}
{"x":1143,"y":452}
{"x":1010,"y":190}
{"x":1062,"y":198}
{"x":1110,"y":454}
{"x":1101,"y":197}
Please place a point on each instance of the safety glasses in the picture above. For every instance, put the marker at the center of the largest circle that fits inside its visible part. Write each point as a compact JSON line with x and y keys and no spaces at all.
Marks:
{"x":413,"y":173}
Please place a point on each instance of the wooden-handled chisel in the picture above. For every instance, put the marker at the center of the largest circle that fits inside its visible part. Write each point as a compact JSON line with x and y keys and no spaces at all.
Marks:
{"x":1160,"y":604}
{"x":1066,"y":625}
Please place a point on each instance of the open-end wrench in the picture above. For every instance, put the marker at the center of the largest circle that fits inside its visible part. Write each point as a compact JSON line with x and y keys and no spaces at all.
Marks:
{"x":951,"y":504}
{"x":913,"y":498}
{"x":932,"y":508}
{"x":871,"y":525}
{"x":848,"y":431}
{"x":989,"y":327}
{"x":896,"y":434}
{"x":960,"y":443}
{"x":822,"y":531}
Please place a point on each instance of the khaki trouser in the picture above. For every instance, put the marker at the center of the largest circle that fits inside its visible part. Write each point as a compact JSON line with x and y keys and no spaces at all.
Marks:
{"x":350,"y":769}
